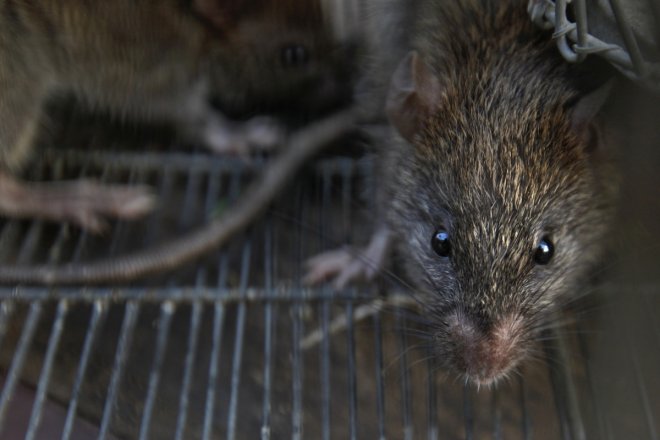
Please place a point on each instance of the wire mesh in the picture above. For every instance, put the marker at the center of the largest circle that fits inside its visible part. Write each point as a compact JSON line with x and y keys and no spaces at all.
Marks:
{"x":221,"y":349}
{"x":625,"y":34}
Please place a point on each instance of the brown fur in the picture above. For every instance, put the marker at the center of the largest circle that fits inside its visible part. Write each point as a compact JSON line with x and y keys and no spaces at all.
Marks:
{"x":499,"y":164}
{"x":155,"y":59}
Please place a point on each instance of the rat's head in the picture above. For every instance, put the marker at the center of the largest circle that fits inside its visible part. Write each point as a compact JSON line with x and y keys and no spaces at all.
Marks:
{"x":500,"y":208}
{"x":276,"y":56}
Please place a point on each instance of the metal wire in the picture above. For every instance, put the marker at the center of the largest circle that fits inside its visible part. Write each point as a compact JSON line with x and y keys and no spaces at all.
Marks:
{"x":269,"y":333}
{"x":96,"y":320}
{"x":166,"y":312}
{"x":409,"y":399}
{"x":19,"y":358}
{"x":184,"y":399}
{"x":575,"y":42}
{"x":125,"y":338}
{"x":42,"y":388}
{"x":526,"y":425}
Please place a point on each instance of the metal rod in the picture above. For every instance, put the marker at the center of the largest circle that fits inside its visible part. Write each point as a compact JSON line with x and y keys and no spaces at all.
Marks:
{"x":166,"y":311}
{"x":380,"y":387}
{"x":269,"y":331}
{"x":9,"y":236}
{"x":167,"y":162}
{"x":526,"y":423}
{"x":591,"y":389}
{"x":30,"y":241}
{"x":347,"y":190}
{"x":629,"y":39}
{"x":218,"y":319}
{"x":98,"y":316}
{"x":6,"y":312}
{"x":125,"y":338}
{"x":297,"y":331}
{"x":190,"y":199}
{"x":496,"y":414}
{"x":405,"y":377}
{"x":184,"y":399}
{"x":351,"y":367}
{"x":564,"y":388}
{"x":562,"y":28}
{"x":42,"y":388}
{"x":56,"y":248}
{"x":216,"y":349}
{"x":19,"y":358}
{"x":432,"y":403}
{"x":326,"y":391}
{"x":281,"y":293}
{"x":165,"y":189}
{"x":580,"y":8}
{"x":468,"y":412}
{"x":212,"y":194}
{"x":238,"y":345}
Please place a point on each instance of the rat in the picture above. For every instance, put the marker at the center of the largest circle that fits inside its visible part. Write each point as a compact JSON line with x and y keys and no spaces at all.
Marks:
{"x":496,"y":184}
{"x":187,"y":63}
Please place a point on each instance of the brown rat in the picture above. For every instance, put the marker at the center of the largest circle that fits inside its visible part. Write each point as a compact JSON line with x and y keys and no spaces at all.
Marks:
{"x":163,"y":60}
{"x":497,"y":189}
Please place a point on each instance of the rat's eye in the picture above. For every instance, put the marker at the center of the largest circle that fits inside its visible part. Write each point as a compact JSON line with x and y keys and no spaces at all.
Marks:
{"x":440,"y":243}
{"x":294,"y":55}
{"x":544,"y":251}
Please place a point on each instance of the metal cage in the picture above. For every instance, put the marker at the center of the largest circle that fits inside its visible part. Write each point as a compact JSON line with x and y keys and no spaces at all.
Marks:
{"x":236,"y":348}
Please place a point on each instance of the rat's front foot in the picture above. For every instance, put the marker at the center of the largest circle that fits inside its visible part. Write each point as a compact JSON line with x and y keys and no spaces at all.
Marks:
{"x":243,"y":138}
{"x":350,"y":265}
{"x":85,"y":203}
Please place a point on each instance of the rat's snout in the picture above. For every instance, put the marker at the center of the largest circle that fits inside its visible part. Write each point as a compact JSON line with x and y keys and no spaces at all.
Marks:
{"x":482,"y":351}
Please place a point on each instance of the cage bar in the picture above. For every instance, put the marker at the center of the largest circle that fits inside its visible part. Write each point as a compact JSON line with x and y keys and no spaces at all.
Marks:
{"x":385,"y":352}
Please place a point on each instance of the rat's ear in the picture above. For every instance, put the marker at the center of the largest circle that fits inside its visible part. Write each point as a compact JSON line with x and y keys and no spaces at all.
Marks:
{"x":413,"y":95}
{"x":584,"y":112}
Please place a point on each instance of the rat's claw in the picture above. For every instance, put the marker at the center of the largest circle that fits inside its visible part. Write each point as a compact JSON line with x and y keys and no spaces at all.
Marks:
{"x":89,"y":221}
{"x":88,"y":203}
{"x":344,"y":266}
{"x":357,"y":270}
{"x":349,"y":265}
{"x":126,"y":202}
{"x":243,"y":139}
{"x":326,"y":265}
{"x":263,"y":133}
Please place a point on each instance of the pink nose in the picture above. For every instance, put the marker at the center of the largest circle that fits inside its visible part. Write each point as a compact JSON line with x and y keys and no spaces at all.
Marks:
{"x":484,"y":356}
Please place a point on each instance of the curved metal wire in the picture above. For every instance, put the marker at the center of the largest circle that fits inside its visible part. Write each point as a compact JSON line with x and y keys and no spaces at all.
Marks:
{"x":575,"y":42}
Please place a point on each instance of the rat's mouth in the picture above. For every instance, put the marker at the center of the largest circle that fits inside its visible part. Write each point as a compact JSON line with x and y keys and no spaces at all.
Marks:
{"x":481,"y":354}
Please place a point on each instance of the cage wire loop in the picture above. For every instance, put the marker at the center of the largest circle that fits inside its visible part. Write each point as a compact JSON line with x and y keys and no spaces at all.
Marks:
{"x":574,"y":41}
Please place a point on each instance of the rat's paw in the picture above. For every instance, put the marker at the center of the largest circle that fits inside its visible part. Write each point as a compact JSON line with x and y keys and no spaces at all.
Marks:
{"x":88,"y":204}
{"x":263,"y":133}
{"x":243,"y":139}
{"x":85,"y":203}
{"x":343,"y":266}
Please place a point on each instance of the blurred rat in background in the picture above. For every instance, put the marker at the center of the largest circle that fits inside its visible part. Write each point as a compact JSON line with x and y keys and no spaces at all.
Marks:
{"x":189,"y":63}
